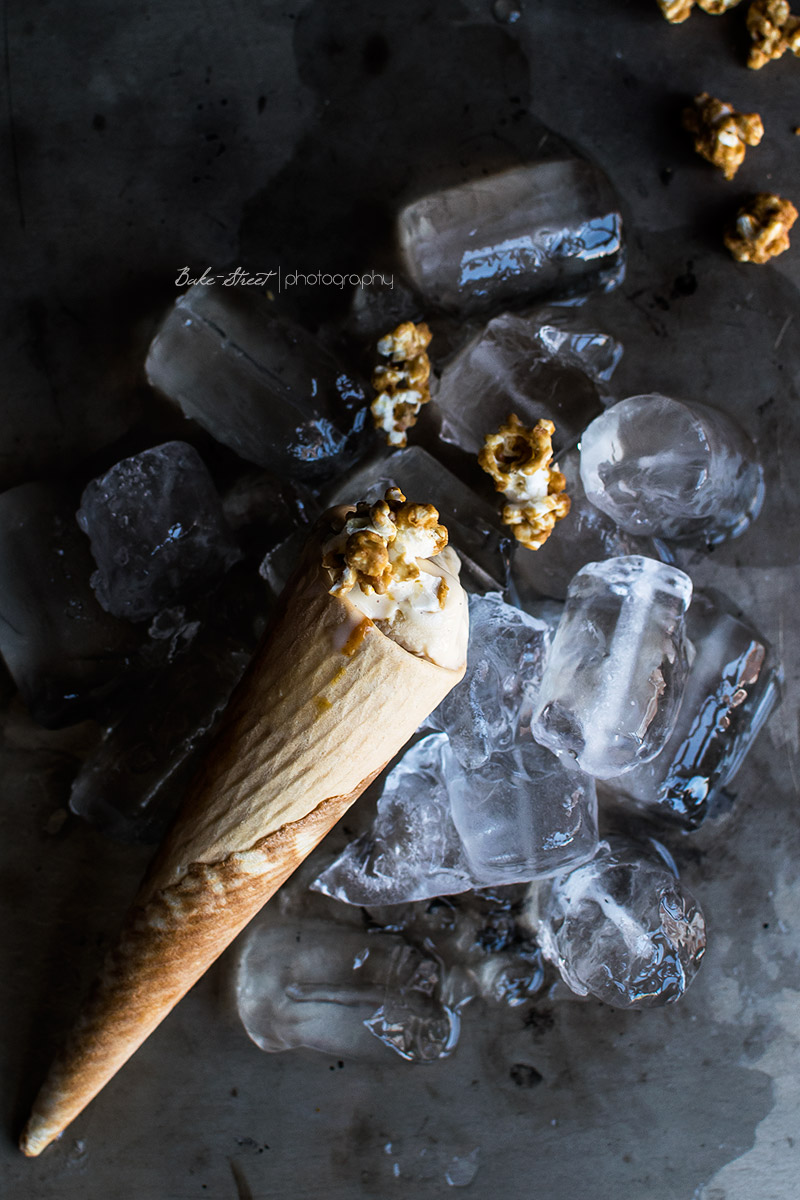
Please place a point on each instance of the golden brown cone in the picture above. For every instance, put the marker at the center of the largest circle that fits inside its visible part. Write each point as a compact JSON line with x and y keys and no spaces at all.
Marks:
{"x":326,"y":703}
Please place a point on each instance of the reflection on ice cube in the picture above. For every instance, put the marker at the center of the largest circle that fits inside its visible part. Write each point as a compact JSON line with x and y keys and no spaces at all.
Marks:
{"x":478,"y":936}
{"x":479,"y":803}
{"x":730,"y":692}
{"x":621,"y":928}
{"x":550,"y":226}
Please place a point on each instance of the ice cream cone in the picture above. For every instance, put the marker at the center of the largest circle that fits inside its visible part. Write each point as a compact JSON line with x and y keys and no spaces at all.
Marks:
{"x":327,"y":701}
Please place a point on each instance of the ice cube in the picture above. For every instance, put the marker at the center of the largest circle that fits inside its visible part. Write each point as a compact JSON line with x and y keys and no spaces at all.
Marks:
{"x":579,"y":331}
{"x":479,"y":938}
{"x":505,"y":661}
{"x":279,"y":562}
{"x":621,"y":927}
{"x":473,"y":525}
{"x":670,"y":469}
{"x":385,"y":304}
{"x":156,"y":529}
{"x":65,"y":653}
{"x":413,"y":851}
{"x":313,"y":983}
{"x":614,"y":679}
{"x":521,"y":815}
{"x":257,"y":382}
{"x":130,"y":785}
{"x":585,"y":535}
{"x":509,"y":367}
{"x":551,"y":226}
{"x":730,"y":692}
{"x":261,"y":510}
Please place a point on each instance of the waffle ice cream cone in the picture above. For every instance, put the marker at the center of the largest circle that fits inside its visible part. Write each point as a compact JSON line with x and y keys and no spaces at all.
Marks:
{"x":327,"y":702}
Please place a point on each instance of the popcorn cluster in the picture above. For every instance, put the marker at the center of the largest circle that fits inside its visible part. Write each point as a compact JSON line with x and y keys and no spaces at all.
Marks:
{"x":773,"y":29}
{"x":721,"y":133}
{"x":402,"y":382}
{"x":677,"y":11}
{"x":518,"y":460}
{"x":379,"y":544}
{"x":761,"y":228}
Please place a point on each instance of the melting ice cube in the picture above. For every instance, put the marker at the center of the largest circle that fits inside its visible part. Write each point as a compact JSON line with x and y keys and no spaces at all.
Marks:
{"x":257,"y":382}
{"x":64,"y":652}
{"x":508,"y":366}
{"x":156,"y":529}
{"x":302,"y":982}
{"x":621,"y":927}
{"x":730,"y":692}
{"x":670,"y":469}
{"x":614,"y":679}
{"x":543,"y":227}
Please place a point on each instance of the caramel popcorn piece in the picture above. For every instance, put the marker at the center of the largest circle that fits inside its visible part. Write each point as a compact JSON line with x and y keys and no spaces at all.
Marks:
{"x":518,"y":460}
{"x":380,"y":543}
{"x":722,"y":134}
{"x":761,"y":229}
{"x":677,"y":11}
{"x":402,"y":382}
{"x":774,"y":30}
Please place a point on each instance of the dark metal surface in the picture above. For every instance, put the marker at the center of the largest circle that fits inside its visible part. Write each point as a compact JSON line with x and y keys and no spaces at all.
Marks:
{"x":139,"y":139}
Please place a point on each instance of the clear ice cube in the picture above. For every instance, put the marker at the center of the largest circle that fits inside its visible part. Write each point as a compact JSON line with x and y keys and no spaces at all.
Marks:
{"x":509,"y":366}
{"x":614,"y":679}
{"x":545,"y":227}
{"x":412,"y":851}
{"x":302,"y":982}
{"x":473,"y":525}
{"x":257,"y":382}
{"x":132,"y":782}
{"x":64,"y":651}
{"x":521,"y":815}
{"x":261,"y":509}
{"x":479,"y":937}
{"x":730,"y":692}
{"x":385,"y":304}
{"x":667,"y":468}
{"x":578,"y":330}
{"x":505,"y":660}
{"x":157,"y":530}
{"x":585,"y":535}
{"x":622,"y":927}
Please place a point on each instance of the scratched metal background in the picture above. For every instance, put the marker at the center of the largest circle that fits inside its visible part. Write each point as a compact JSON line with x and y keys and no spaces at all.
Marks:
{"x":141,"y":137}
